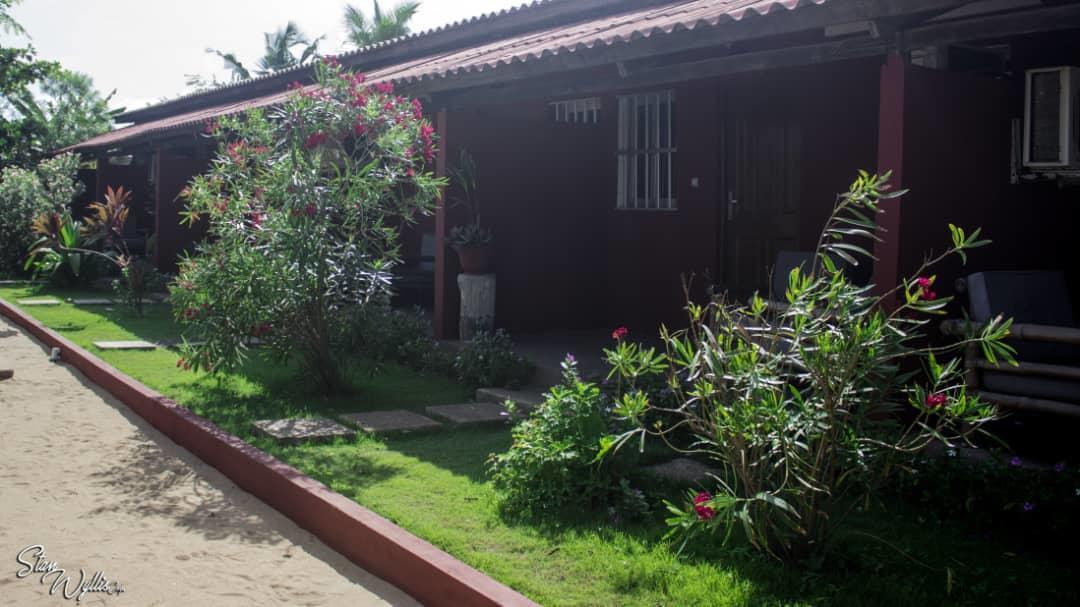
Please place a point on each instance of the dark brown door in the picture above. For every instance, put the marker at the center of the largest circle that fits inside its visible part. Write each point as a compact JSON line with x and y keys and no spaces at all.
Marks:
{"x":760,"y":202}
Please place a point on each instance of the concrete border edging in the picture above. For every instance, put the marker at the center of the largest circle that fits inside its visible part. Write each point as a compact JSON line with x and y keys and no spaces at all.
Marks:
{"x":365,"y":538}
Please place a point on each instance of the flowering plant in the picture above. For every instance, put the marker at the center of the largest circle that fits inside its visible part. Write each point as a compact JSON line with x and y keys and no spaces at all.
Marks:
{"x":806,"y":406}
{"x":302,"y":203}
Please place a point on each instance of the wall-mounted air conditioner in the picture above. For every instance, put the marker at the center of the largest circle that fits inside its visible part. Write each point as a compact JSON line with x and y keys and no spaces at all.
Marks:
{"x":1052,"y":119}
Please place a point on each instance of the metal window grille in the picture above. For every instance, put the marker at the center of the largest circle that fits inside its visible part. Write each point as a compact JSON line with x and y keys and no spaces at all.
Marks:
{"x":577,"y":111}
{"x":647,"y":151}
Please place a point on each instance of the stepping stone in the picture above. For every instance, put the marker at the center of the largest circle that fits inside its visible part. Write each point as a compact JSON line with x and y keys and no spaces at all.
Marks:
{"x":6,"y":374}
{"x":391,"y":422}
{"x":473,"y":413}
{"x":93,"y":301}
{"x":124,"y":345}
{"x":292,"y":431}
{"x":682,"y":470}
{"x":526,"y":400}
{"x":47,"y":301}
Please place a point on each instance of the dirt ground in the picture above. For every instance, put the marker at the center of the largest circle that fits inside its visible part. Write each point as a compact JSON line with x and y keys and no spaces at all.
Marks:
{"x":97,"y":488}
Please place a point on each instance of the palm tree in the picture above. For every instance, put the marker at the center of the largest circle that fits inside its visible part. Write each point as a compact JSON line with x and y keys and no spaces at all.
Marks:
{"x":277,"y":54}
{"x":381,"y":26}
{"x":239,"y":72}
{"x":7,"y":22}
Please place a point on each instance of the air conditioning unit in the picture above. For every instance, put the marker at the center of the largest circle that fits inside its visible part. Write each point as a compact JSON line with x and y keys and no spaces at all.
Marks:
{"x":1052,"y":119}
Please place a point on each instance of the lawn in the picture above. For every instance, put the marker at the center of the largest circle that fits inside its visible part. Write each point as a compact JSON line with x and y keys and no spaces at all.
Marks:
{"x":434,"y":485}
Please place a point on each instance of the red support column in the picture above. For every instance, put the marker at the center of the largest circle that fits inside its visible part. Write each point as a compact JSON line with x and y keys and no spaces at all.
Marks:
{"x":156,"y":171}
{"x":890,"y":158}
{"x":442,"y":327}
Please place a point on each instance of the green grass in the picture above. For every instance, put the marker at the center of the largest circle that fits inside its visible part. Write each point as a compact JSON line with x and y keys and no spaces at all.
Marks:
{"x":434,"y":486}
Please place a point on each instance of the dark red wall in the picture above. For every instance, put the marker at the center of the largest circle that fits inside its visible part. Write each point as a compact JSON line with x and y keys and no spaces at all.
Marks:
{"x":567,"y":259}
{"x":175,"y":170}
{"x":957,"y":165}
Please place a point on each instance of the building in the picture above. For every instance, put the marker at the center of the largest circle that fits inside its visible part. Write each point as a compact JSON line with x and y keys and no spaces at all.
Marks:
{"x":624,"y":144}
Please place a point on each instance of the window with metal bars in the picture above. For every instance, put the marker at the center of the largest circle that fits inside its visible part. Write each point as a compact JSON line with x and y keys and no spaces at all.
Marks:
{"x":647,"y":151}
{"x":576,"y":111}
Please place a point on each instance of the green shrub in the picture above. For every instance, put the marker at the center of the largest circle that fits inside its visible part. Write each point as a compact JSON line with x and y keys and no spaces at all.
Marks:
{"x":489,"y":360}
{"x":26,"y":194}
{"x":1038,"y":507}
{"x":552,"y":461}
{"x":403,"y":336}
{"x":806,"y":407}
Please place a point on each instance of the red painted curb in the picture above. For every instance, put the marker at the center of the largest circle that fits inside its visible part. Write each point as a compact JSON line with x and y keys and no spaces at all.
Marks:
{"x":365,"y":538}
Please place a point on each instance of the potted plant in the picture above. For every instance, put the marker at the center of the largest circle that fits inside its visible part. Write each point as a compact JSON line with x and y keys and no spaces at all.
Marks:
{"x":472,"y":241}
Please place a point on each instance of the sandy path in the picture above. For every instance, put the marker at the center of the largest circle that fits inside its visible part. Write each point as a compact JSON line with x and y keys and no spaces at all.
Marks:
{"x":100,"y":489}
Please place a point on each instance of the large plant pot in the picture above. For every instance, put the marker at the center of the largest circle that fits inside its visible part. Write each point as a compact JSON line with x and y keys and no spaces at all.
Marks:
{"x":475,"y":260}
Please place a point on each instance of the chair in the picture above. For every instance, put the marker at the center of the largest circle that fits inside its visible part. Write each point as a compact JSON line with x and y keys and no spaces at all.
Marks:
{"x":1044,"y":333}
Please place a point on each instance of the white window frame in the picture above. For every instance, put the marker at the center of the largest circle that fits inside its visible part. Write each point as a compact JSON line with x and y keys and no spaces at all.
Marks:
{"x":657,"y":154}
{"x":577,"y":111}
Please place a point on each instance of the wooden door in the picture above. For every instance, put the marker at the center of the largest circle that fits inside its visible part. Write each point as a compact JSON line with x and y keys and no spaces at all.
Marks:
{"x":760,"y":202}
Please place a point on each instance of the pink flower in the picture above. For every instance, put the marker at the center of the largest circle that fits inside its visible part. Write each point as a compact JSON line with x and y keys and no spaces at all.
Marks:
{"x":704,"y":511}
{"x":620,"y":334}
{"x":385,"y":87}
{"x":936,"y":400}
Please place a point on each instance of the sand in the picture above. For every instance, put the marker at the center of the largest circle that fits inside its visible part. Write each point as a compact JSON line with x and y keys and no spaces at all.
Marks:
{"x":100,"y":489}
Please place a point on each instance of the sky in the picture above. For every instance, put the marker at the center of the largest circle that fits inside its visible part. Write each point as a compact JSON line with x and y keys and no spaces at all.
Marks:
{"x":144,"y":48}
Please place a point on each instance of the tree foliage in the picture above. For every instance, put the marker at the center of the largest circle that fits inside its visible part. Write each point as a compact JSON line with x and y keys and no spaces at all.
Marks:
{"x":303,"y":203}
{"x":381,"y":26}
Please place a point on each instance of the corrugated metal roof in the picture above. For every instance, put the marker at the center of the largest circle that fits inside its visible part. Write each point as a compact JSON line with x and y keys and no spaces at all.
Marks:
{"x":607,"y":31}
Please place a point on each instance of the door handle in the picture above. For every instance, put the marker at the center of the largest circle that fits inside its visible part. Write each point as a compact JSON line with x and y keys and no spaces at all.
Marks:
{"x":732,"y":206}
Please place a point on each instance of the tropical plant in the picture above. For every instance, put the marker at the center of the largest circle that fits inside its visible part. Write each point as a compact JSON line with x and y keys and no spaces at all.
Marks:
{"x":27,"y":193}
{"x":382,"y":26}
{"x":464,"y":176}
{"x":302,"y":203}
{"x":806,"y":408}
{"x":60,"y":251}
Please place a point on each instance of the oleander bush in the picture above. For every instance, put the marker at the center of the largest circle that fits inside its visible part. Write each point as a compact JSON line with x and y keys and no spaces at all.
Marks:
{"x":807,"y":407}
{"x":303,"y":203}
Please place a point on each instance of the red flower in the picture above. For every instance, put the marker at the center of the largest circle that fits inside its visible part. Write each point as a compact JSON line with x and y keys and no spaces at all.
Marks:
{"x":257,"y":219}
{"x":703,"y":511}
{"x":211,"y":127}
{"x":359,"y":128}
{"x":925,"y":285}
{"x":620,"y":333}
{"x":385,"y":87}
{"x":418,"y":109}
{"x":310,"y":209}
{"x":936,"y":400}
{"x":315,"y":140}
{"x":295,"y":86}
{"x":331,"y":60}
